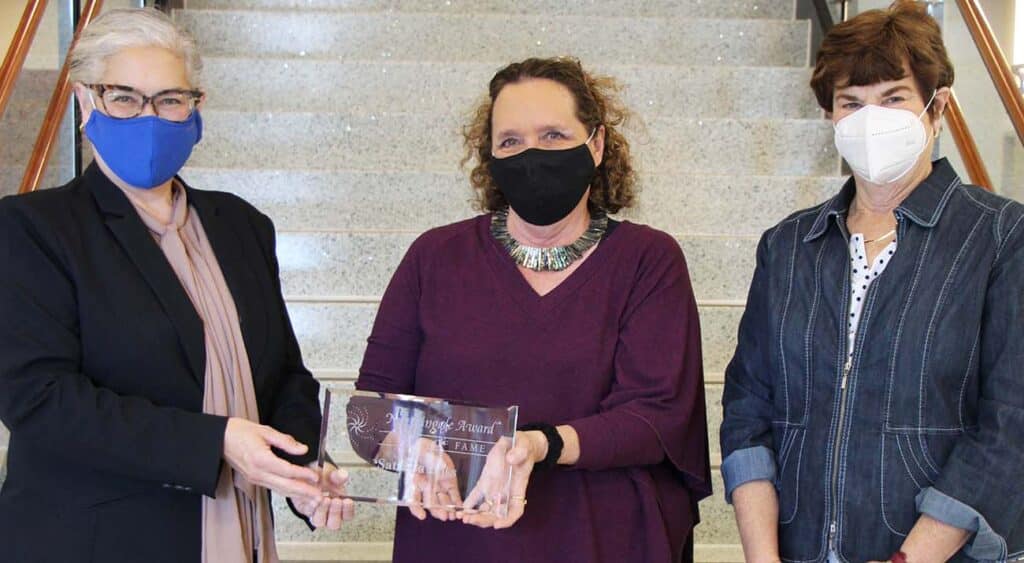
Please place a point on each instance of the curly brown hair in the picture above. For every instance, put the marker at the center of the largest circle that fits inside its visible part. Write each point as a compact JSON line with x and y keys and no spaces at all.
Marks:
{"x":597,"y":103}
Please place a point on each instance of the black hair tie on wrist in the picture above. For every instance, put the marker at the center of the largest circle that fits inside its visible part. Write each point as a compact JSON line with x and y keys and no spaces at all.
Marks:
{"x":555,"y":443}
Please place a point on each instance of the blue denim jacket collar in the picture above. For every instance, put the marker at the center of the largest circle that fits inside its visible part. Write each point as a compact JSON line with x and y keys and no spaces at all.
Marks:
{"x":923,"y":206}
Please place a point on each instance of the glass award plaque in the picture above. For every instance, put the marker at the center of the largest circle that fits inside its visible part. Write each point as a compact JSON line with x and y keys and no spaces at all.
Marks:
{"x":419,"y":451}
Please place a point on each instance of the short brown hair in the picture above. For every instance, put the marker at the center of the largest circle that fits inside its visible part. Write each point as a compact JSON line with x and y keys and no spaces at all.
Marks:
{"x":874,"y":46}
{"x":597,"y":103}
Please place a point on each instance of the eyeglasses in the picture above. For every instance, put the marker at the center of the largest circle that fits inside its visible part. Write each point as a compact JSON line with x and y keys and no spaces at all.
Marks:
{"x":125,"y":102}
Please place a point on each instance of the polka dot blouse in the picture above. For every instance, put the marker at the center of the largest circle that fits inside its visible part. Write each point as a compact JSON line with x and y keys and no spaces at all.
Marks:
{"x":861,"y":277}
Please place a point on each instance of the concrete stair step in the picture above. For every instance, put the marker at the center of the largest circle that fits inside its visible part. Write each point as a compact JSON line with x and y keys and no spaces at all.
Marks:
{"x":779,"y":9}
{"x":499,"y":38}
{"x":345,"y":263}
{"x":416,"y":200}
{"x":17,"y":137}
{"x":35,"y":83}
{"x":31,"y":93}
{"x":326,"y":141}
{"x":308,"y":85}
{"x":300,"y":84}
{"x":24,"y":112}
{"x":10,"y":177}
{"x":19,"y":127}
{"x":332,"y":334}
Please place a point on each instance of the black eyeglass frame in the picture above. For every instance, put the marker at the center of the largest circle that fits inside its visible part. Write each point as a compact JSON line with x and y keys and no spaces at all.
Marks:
{"x":194,"y":96}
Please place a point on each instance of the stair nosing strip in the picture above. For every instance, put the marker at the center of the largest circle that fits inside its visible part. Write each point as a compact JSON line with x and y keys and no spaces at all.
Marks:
{"x":314,"y":11}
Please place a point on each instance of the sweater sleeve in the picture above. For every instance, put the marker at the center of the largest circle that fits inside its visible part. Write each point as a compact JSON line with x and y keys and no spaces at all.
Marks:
{"x":655,"y":409}
{"x":393,"y":348}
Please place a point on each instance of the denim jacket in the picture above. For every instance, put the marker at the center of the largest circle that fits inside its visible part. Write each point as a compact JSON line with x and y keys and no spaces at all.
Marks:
{"x":928,"y":416}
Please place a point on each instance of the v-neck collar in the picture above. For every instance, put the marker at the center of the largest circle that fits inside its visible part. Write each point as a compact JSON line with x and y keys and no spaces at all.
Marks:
{"x":520,"y":290}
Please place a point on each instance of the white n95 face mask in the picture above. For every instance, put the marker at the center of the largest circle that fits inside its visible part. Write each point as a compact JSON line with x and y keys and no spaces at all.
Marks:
{"x":881,"y":144}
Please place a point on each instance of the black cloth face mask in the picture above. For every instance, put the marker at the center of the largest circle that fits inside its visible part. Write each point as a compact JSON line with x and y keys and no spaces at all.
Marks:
{"x":544,"y":186}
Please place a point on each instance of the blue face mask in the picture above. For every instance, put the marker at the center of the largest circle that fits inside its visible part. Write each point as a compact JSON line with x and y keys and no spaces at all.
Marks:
{"x":144,"y":151}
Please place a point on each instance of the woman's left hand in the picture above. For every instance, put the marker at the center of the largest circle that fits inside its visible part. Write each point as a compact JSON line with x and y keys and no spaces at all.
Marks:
{"x":531,"y":447}
{"x":330,"y":510}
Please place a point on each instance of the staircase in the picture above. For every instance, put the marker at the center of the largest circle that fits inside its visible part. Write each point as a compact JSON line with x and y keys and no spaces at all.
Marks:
{"x":340,"y":120}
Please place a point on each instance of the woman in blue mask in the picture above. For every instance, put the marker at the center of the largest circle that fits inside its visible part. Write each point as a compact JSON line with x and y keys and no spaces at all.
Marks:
{"x":149,"y":374}
{"x":874,"y":406}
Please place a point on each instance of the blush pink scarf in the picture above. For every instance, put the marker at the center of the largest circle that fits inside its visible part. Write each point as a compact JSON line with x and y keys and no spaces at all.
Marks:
{"x":237,"y":522}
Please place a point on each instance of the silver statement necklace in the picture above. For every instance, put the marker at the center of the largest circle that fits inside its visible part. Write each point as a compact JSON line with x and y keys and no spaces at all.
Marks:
{"x":554,"y":259}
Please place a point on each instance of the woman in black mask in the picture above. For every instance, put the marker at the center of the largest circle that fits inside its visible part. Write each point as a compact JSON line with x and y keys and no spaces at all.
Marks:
{"x":587,"y":323}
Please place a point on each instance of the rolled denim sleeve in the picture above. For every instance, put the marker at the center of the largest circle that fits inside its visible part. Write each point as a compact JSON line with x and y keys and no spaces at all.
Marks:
{"x":985,"y":469}
{"x":748,"y":451}
{"x":985,"y":545}
{"x":746,"y":465}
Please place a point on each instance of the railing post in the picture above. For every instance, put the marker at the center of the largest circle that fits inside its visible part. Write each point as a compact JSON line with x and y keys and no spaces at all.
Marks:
{"x":43,"y":148}
{"x":965,"y":144}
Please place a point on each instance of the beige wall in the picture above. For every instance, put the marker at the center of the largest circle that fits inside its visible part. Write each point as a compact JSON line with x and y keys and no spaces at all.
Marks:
{"x":45,"y":49}
{"x":45,"y":52}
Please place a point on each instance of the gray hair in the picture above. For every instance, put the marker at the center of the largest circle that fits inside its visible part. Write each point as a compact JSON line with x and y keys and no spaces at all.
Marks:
{"x":121,"y":29}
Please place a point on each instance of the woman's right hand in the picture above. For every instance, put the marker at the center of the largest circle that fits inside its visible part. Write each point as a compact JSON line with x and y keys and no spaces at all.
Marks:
{"x":432,"y":482}
{"x":247,"y":450}
{"x":331,"y":510}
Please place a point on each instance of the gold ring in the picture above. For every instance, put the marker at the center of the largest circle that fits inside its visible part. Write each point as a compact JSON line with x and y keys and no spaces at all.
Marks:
{"x":520,"y":498}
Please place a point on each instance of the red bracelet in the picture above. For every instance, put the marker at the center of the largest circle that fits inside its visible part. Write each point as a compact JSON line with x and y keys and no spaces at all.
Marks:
{"x":898,"y":557}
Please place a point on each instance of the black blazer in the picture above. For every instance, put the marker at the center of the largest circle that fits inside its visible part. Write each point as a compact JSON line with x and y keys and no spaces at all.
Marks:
{"x":101,"y":374}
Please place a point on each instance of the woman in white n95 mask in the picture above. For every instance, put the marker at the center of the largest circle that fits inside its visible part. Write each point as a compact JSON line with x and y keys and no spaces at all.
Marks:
{"x":873,"y":406}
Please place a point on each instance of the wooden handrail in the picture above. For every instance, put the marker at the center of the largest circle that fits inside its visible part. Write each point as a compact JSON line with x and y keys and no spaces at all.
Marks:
{"x":18,"y":51}
{"x":43,"y":148}
{"x":965,"y":144}
{"x":998,"y":68}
